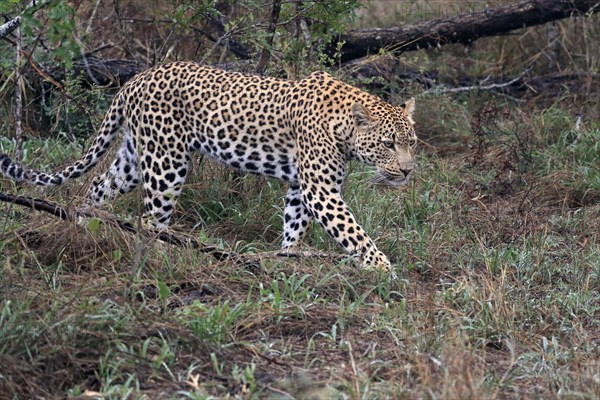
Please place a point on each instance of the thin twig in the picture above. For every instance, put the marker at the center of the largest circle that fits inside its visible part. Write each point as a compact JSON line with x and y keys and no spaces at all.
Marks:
{"x":310,"y":254}
{"x":474,"y":87}
{"x":92,"y":18}
{"x":354,"y":371}
{"x":19,"y":101}
{"x":126,"y":36}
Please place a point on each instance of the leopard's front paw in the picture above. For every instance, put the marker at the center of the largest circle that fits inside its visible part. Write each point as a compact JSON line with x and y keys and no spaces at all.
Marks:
{"x":375,"y":259}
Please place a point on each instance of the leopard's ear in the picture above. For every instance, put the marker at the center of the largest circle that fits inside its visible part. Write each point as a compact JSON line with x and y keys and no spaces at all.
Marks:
{"x":362,"y":116}
{"x":408,"y":108}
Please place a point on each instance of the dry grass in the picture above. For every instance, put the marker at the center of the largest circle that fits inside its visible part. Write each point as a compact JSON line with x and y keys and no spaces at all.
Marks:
{"x":496,"y":298}
{"x":495,"y":245}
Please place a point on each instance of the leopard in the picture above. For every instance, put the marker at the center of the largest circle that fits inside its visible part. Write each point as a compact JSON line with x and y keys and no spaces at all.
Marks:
{"x":303,"y":132}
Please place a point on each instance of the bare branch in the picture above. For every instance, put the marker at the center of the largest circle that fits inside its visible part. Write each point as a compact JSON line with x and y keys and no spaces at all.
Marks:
{"x":480,"y":86}
{"x":126,"y":36}
{"x":8,"y":27}
{"x":464,"y":28}
{"x":162,"y":235}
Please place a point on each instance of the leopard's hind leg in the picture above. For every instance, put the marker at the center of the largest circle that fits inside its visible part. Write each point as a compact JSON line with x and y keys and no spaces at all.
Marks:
{"x":122,"y":176}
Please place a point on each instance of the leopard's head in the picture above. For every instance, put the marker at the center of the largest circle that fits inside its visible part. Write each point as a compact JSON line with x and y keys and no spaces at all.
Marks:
{"x":386,"y":139}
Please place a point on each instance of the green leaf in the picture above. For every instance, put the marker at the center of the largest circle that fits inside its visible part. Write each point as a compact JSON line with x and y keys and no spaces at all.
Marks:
{"x":94,"y":224}
{"x":163,"y":290}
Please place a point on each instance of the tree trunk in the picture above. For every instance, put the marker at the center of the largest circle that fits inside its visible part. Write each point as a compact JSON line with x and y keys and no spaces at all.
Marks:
{"x":266,"y":51}
{"x":464,"y":28}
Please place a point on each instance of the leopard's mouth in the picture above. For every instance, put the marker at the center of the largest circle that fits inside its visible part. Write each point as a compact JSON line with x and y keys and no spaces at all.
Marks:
{"x":385,"y":178}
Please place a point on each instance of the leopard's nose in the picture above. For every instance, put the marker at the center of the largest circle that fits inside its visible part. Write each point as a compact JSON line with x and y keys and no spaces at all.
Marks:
{"x":406,"y":171}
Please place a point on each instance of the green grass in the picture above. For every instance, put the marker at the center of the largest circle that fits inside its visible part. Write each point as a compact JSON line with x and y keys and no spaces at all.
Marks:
{"x":495,"y":245}
{"x":496,"y":251}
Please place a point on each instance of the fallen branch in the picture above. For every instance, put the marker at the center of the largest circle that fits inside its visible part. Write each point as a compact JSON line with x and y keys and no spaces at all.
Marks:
{"x":464,"y":28}
{"x":252,"y":261}
{"x":480,"y":86}
{"x":241,"y":51}
{"x":518,"y":87}
{"x":92,"y":70}
{"x":36,"y":204}
{"x":164,"y":236}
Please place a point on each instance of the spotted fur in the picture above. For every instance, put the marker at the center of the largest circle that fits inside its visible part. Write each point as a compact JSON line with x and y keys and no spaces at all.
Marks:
{"x":301,"y":132}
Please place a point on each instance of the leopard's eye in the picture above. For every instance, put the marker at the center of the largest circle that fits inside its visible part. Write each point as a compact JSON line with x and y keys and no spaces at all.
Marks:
{"x":388,"y":143}
{"x":413,"y":142}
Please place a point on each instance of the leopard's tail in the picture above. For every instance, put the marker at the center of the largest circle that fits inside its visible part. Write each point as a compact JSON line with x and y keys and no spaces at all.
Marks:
{"x":109,"y":129}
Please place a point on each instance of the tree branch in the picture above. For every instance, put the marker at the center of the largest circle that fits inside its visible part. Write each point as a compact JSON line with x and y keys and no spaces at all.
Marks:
{"x":464,"y":28}
{"x":8,"y":27}
{"x":36,"y":204}
{"x":234,"y":46}
{"x":167,"y":237}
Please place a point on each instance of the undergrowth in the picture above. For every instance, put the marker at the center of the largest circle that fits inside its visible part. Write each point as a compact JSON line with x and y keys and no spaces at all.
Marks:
{"x":494,"y":243}
{"x":495,"y":246}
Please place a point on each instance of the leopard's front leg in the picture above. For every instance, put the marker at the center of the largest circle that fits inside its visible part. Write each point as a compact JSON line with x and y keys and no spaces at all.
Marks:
{"x":321,"y":182}
{"x":333,"y":214}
